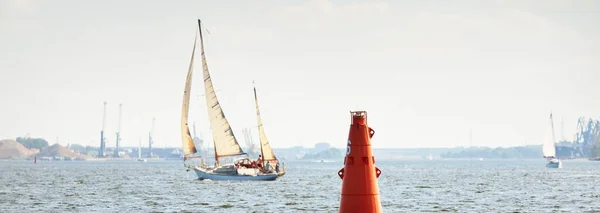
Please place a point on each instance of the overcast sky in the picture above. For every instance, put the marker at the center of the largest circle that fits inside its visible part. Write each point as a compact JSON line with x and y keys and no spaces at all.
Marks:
{"x":426,"y":71}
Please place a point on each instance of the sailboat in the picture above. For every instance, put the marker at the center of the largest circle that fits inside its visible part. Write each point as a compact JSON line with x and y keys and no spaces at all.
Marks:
{"x":549,"y":149}
{"x":140,"y":152}
{"x":225,"y":143}
{"x":268,"y":160}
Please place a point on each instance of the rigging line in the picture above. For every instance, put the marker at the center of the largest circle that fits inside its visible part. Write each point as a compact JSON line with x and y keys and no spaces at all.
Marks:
{"x":205,"y":28}
{"x":200,"y":101}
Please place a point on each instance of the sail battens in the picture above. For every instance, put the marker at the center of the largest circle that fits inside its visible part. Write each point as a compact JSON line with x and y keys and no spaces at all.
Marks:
{"x":224,"y":140}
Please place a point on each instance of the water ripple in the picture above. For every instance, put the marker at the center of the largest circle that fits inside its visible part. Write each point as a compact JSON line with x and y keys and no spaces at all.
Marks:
{"x":405,"y":186}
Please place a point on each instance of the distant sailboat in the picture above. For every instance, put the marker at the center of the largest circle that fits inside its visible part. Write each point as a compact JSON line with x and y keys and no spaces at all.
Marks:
{"x":269,"y":161}
{"x":225,"y":142}
{"x":549,"y":149}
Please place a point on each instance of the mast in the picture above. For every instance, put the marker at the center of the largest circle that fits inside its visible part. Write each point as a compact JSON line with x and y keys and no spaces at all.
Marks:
{"x":259,"y":121}
{"x":224,"y":139}
{"x":151,"y":139}
{"x":102,"y":138}
{"x":265,"y":147}
{"x":262,"y":153}
{"x":118,"y":132}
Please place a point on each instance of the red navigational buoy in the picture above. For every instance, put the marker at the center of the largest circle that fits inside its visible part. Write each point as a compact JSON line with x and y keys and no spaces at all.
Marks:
{"x":360,"y":192}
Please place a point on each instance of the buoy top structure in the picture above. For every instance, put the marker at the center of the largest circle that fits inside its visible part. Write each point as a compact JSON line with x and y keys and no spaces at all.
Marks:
{"x":360,"y":192}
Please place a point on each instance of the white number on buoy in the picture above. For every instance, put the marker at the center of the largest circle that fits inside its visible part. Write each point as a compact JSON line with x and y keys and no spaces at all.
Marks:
{"x":348,"y":150}
{"x":349,"y":142}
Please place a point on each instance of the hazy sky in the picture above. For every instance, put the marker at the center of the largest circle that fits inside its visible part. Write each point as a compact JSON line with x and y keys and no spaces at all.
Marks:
{"x":426,"y":71}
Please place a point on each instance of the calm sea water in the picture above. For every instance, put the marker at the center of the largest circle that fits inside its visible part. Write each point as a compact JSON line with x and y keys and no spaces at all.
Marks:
{"x":405,"y":186}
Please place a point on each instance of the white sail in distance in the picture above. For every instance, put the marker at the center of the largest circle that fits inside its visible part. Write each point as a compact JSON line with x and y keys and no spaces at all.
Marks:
{"x":548,"y":148}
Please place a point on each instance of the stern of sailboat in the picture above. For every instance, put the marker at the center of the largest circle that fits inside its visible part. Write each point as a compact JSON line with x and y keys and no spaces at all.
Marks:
{"x":276,"y":167}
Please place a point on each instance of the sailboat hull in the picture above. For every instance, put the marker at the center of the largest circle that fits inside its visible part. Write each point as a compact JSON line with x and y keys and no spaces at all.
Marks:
{"x":204,"y":174}
{"x":554,"y":164}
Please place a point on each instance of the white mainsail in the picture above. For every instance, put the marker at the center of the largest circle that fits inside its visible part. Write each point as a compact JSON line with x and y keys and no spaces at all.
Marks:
{"x":225,"y":142}
{"x":265,"y":147}
{"x":186,"y":138}
{"x":548,"y":148}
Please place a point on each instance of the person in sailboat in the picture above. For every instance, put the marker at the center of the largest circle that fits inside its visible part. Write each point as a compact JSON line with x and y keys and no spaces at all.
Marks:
{"x":267,"y":167}
{"x":259,"y":161}
{"x":244,"y":163}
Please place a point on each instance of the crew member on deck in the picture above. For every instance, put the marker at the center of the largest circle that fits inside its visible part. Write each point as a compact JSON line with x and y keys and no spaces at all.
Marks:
{"x":259,"y":161}
{"x":268,"y":167}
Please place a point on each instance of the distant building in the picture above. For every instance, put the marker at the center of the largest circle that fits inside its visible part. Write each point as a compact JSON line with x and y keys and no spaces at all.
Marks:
{"x":322,"y":146}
